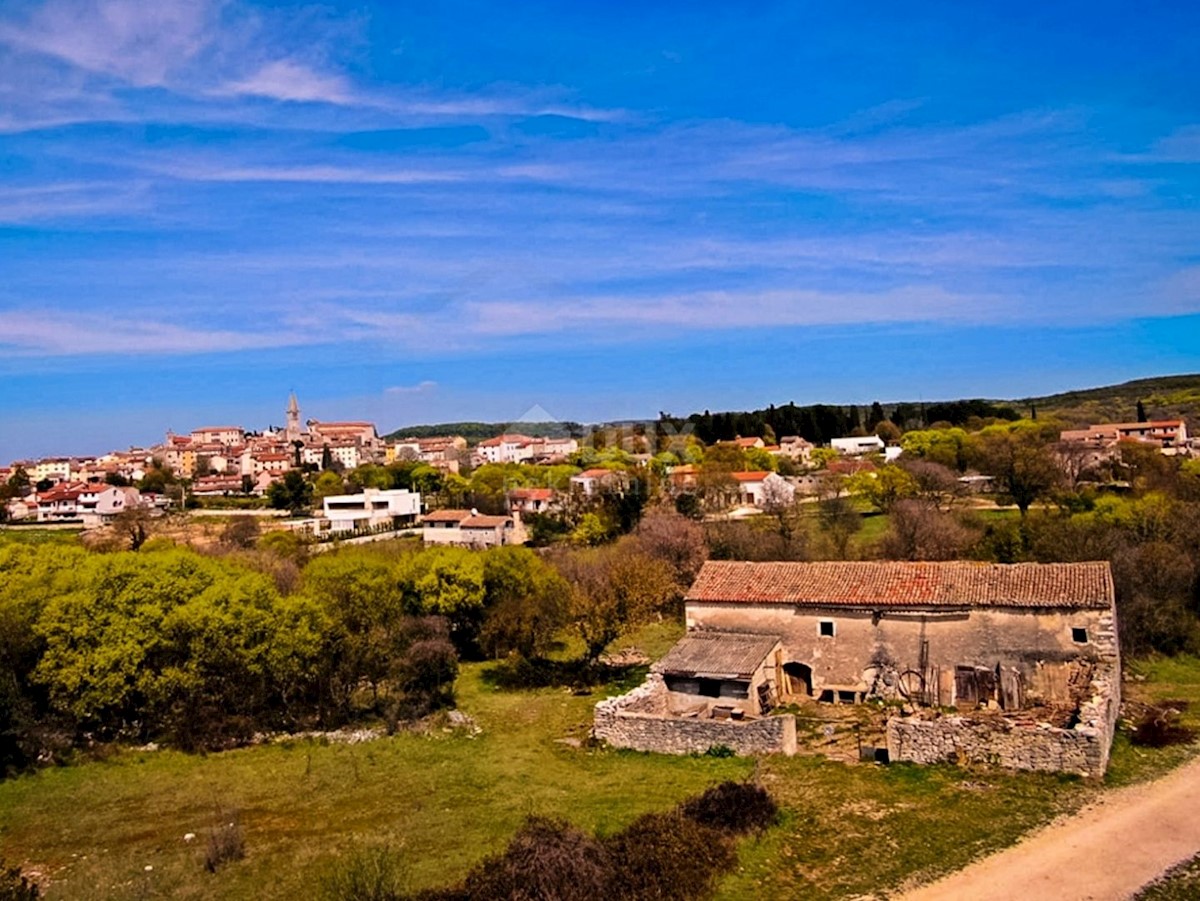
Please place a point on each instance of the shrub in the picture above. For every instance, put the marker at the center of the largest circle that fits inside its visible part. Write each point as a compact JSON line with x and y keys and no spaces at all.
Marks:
{"x":372,"y":873}
{"x":14,"y":886}
{"x":674,"y":856}
{"x":547,"y":860}
{"x":226,"y":843}
{"x":667,"y":857}
{"x":735,"y":807}
{"x":1159,"y":727}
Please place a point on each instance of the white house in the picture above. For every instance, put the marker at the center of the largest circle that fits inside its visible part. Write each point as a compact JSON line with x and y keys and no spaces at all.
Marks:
{"x":853,"y":447}
{"x":371,"y":509}
{"x":98,"y":504}
{"x":763,"y":489}
{"x":506,"y":449}
{"x":591,"y":480}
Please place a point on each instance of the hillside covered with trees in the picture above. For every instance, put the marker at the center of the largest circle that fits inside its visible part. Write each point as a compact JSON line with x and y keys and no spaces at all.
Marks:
{"x":1162,"y":397}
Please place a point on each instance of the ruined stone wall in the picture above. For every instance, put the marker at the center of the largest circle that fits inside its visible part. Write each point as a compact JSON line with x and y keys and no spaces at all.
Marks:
{"x":1001,"y":741}
{"x":637,"y":720}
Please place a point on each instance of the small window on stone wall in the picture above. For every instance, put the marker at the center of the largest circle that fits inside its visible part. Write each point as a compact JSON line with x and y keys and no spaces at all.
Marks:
{"x":825,"y":628}
{"x":1079,"y":635}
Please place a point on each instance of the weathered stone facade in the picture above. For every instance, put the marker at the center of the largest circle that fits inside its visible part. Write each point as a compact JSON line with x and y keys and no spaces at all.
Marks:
{"x":642,"y":720}
{"x":1027,"y":653}
{"x":1002,"y":741}
{"x":1033,"y":641}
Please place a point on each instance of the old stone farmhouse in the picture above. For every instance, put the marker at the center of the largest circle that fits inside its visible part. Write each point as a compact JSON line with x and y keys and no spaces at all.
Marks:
{"x":1016,"y":665}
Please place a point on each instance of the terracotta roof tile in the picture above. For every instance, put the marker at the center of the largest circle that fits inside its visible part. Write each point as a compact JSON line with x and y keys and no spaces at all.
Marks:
{"x":480,"y":521}
{"x":750,"y":475}
{"x":532,"y":494}
{"x":447,"y":516}
{"x":896,"y":584}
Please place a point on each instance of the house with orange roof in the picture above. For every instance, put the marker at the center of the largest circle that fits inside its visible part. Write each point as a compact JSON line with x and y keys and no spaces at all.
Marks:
{"x":1027,"y":653}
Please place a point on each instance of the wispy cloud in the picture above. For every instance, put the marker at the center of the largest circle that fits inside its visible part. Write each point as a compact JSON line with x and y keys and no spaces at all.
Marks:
{"x":52,"y":333}
{"x":287,"y":79}
{"x":424,"y":387}
{"x":310,"y":174}
{"x":216,"y":50}
{"x":72,"y":201}
{"x":144,"y":44}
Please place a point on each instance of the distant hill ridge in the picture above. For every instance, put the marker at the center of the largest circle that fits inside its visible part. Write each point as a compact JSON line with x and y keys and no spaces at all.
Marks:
{"x":1163,"y":397}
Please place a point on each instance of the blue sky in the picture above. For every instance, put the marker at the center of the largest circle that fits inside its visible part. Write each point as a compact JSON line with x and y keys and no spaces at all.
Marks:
{"x":422,"y":212}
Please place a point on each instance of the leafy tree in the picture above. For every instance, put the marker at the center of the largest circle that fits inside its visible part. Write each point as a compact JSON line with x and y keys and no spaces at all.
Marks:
{"x":146,"y":643}
{"x":18,"y":481}
{"x":887,"y":431}
{"x":287,"y":544}
{"x":292,"y":493}
{"x":612,"y":589}
{"x":876,"y":416}
{"x":445,"y":581}
{"x":1141,"y":412}
{"x":156,"y":479}
{"x":690,"y":506}
{"x":360,"y":597}
{"x":949,"y":447}
{"x":759,"y":459}
{"x":1020,"y":461}
{"x":525,"y":603}
{"x":328,"y":484}
{"x":883,"y":487}
{"x":593,"y":529}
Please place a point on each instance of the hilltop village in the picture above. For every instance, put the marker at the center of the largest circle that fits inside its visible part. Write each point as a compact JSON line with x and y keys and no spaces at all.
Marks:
{"x":511,"y":488}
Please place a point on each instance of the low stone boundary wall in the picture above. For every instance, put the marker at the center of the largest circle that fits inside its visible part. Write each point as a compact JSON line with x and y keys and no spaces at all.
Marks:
{"x":1082,"y":749}
{"x":638,"y":720}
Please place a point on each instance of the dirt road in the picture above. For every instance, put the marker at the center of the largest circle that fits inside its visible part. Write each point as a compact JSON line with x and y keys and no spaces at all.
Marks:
{"x":1107,"y":851}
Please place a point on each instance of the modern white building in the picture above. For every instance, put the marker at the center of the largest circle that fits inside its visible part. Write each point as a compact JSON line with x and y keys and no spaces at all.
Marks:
{"x":371,"y":509}
{"x":853,"y":447}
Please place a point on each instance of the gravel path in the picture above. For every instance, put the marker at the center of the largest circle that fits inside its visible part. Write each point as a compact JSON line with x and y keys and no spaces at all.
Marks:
{"x":1106,"y":852}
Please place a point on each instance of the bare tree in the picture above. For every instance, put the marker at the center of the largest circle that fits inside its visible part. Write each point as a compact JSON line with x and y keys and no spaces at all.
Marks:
{"x":674,"y":539}
{"x":920,"y":531}
{"x":934,"y":483}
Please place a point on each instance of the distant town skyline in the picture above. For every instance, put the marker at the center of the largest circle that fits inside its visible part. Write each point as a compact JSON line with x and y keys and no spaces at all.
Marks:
{"x":415,"y":216}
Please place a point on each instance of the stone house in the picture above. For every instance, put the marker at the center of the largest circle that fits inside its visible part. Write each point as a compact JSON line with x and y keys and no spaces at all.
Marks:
{"x":726,"y":674}
{"x":1026,"y":654}
{"x":470,"y":528}
{"x":850,"y":630}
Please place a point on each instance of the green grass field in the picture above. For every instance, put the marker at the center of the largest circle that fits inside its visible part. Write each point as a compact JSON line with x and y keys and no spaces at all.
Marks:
{"x":445,"y":799}
{"x":33,"y":535}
